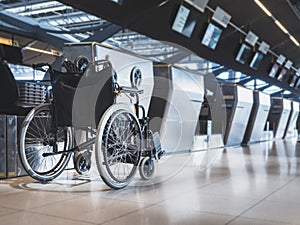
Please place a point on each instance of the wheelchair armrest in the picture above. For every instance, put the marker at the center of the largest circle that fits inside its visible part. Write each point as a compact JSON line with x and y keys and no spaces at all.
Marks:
{"x":130,"y":90}
{"x":40,"y":66}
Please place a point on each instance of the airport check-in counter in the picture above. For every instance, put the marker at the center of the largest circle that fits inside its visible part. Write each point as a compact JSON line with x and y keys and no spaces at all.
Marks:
{"x":258,"y":117}
{"x":239,"y":101}
{"x":291,"y":127}
{"x":279,"y":115}
{"x":205,"y":123}
{"x":205,"y":136}
{"x":175,"y":106}
{"x":124,"y":64}
{"x":9,"y":163}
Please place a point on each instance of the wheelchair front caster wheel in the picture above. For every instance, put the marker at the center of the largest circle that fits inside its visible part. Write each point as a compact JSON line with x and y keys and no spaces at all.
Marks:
{"x":82,"y":164}
{"x":147,"y":168}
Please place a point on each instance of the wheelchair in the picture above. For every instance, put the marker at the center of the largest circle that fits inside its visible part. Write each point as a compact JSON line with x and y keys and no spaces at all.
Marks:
{"x":119,"y":132}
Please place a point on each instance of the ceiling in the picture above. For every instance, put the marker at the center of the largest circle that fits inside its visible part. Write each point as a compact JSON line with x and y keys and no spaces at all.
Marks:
{"x":49,"y":24}
{"x":154,"y":19}
{"x":246,"y":15}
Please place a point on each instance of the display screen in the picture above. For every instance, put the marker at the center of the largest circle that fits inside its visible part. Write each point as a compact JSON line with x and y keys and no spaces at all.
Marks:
{"x":185,"y":21}
{"x":297,"y":83}
{"x":274,"y":70}
{"x":211,"y":36}
{"x":254,"y":64}
{"x":293,"y":80}
{"x":244,"y":54}
{"x":282,"y":74}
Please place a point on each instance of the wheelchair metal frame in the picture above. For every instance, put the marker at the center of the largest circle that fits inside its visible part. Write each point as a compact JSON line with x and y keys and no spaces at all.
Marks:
{"x":136,"y":150}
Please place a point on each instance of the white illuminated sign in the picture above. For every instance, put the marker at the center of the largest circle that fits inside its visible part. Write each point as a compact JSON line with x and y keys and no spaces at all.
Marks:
{"x":264,"y":47}
{"x":251,"y":38}
{"x":221,"y":17}
{"x":280,"y":60}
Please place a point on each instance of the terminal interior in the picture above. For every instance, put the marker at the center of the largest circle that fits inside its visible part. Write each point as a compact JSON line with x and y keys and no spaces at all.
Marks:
{"x":149,"y":112}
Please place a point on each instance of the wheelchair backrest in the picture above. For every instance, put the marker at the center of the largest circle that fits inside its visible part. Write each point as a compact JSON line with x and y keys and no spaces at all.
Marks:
{"x":94,"y":94}
{"x":81,"y":99}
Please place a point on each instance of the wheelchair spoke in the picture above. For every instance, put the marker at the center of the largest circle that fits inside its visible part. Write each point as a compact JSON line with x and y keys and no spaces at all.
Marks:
{"x":120,"y":148}
{"x":38,"y":138}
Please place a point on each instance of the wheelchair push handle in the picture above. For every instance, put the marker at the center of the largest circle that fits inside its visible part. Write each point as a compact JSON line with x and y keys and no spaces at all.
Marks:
{"x":40,"y":66}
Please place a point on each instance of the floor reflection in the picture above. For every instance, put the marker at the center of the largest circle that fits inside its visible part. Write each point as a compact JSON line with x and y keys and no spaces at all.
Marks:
{"x":235,"y":185}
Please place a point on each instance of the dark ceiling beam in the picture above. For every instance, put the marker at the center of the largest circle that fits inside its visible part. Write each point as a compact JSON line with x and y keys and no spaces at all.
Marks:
{"x":292,"y":96}
{"x":30,"y":28}
{"x":103,"y":34}
{"x":264,"y":87}
{"x":176,"y":58}
{"x":245,"y":80}
{"x":152,"y":55}
{"x":155,"y":18}
{"x":277,"y":93}
{"x":217,"y":72}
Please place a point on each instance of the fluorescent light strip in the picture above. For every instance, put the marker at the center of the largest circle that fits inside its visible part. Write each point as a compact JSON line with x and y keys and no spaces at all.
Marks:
{"x":281,"y":26}
{"x":42,"y":51}
{"x":294,"y":40}
{"x":263,"y":7}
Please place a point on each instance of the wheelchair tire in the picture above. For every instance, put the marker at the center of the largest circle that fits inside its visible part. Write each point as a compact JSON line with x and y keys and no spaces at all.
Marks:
{"x":147,"y":168}
{"x":118,"y":146}
{"x":36,"y":138}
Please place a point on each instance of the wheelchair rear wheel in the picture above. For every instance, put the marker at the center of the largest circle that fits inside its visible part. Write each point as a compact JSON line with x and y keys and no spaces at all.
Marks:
{"x":37,"y":138}
{"x":118,"y":146}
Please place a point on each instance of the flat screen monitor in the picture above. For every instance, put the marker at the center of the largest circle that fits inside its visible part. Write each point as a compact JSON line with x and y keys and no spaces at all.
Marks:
{"x":185,"y":21}
{"x":274,"y":70}
{"x":297,"y":83}
{"x":293,"y":80}
{"x":282,"y":74}
{"x":254,"y":64}
{"x":211,"y":36}
{"x":244,"y":54}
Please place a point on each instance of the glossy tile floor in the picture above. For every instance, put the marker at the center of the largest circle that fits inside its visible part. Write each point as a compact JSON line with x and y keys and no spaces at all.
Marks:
{"x":253,"y":185}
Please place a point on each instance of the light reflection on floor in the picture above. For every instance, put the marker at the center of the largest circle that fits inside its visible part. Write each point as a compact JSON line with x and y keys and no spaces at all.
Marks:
{"x":258,"y":184}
